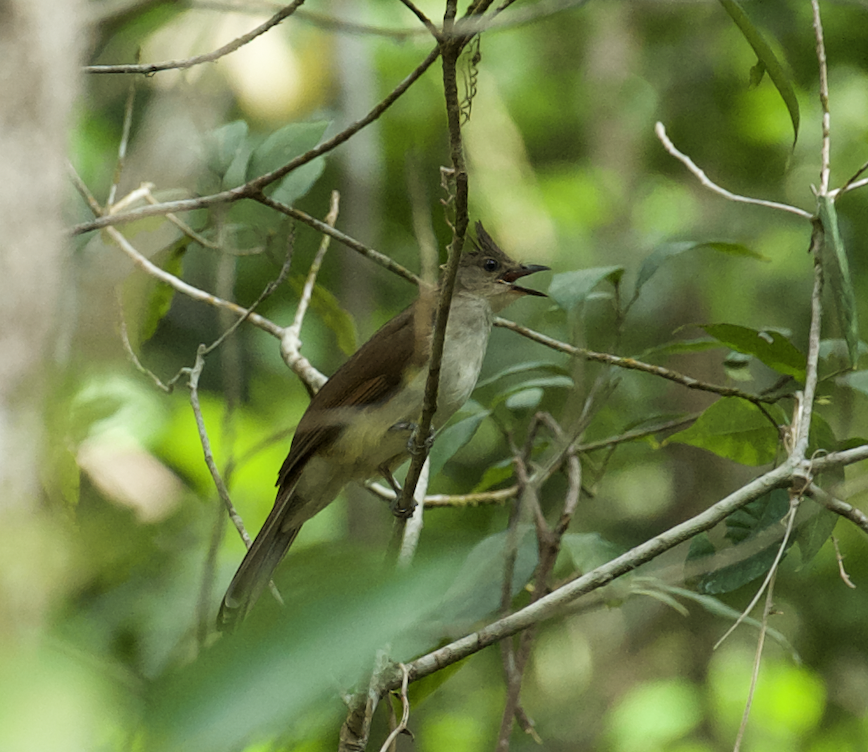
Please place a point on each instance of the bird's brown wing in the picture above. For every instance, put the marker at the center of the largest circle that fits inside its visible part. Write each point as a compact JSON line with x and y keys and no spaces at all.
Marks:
{"x":370,"y":376}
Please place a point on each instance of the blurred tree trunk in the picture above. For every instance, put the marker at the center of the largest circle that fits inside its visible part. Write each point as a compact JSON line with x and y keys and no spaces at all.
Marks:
{"x":39,"y":40}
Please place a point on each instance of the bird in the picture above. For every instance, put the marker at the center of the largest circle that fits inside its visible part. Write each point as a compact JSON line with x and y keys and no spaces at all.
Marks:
{"x":360,"y":423}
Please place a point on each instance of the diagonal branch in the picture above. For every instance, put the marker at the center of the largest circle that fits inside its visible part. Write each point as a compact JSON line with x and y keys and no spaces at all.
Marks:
{"x":149,"y":69}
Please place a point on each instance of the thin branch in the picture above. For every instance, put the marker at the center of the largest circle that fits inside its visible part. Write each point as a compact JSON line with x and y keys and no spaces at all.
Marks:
{"x":856,"y":516}
{"x":840,"y":559}
{"x":122,"y":146}
{"x":432,"y":29}
{"x":150,"y":68}
{"x":450,"y":50}
{"x":803,"y":425}
{"x":290,"y":342}
{"x":708,"y":183}
{"x":634,"y":365}
{"x":826,"y":149}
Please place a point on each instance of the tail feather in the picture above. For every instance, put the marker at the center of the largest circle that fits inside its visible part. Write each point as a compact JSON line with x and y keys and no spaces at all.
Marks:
{"x":254,"y":574}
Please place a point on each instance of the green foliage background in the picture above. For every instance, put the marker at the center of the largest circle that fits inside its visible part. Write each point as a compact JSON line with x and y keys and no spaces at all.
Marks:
{"x":565,"y":170}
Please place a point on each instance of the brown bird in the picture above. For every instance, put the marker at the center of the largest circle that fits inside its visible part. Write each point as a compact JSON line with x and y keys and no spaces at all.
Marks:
{"x":359,"y":424}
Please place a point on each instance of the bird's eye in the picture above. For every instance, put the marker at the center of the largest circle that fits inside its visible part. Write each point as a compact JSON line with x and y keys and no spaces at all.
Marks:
{"x":490,"y":265}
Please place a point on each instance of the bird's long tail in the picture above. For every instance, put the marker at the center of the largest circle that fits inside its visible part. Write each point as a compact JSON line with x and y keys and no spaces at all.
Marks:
{"x":255,"y":572}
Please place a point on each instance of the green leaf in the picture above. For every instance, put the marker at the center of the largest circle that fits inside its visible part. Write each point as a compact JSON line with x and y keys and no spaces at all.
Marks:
{"x":838,"y":271}
{"x":681,"y":346}
{"x":767,"y":58}
{"x":767,"y":346}
{"x":570,"y":289}
{"x":857,"y":380}
{"x":589,"y":550}
{"x":494,"y":475}
{"x":736,"y":430}
{"x":519,"y":368}
{"x":146,"y":300}
{"x":223,"y":144}
{"x":524,"y":399}
{"x":756,"y":535}
{"x":477,"y":589}
{"x":283,"y":146}
{"x":299,"y":182}
{"x":456,"y":435}
{"x":333,"y":315}
{"x":664,"y":252}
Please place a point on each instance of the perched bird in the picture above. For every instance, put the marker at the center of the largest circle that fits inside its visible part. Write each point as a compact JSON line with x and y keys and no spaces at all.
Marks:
{"x":359,"y":423}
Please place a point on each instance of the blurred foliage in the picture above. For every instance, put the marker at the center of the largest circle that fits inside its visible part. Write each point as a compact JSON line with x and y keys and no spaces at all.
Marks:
{"x":116,"y":585}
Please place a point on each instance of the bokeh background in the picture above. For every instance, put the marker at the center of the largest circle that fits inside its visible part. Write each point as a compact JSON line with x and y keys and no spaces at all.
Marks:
{"x":104,"y":645}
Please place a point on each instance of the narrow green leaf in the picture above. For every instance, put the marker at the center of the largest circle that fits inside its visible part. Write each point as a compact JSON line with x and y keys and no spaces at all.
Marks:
{"x":223,"y":144}
{"x":524,"y":399}
{"x":333,"y":315}
{"x":664,"y":252}
{"x":736,"y":430}
{"x":455,"y":436}
{"x":519,"y":368}
{"x":767,"y":346}
{"x":835,"y":261}
{"x":767,"y":58}
{"x":571,"y":289}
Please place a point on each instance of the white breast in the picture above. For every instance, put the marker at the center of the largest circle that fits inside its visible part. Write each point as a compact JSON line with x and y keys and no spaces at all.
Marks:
{"x":464,"y":350}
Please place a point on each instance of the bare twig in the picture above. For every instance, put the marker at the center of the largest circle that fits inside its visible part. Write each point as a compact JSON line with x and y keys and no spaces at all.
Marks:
{"x":290,"y":342}
{"x":856,"y":516}
{"x":840,"y":559}
{"x":150,"y":68}
{"x":122,"y":146}
{"x":826,"y":149}
{"x":708,"y":183}
{"x":757,"y":658}
{"x":405,"y":713}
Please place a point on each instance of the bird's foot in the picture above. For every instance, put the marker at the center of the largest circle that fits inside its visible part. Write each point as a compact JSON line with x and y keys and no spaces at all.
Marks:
{"x":413,"y":428}
{"x":395,"y":504}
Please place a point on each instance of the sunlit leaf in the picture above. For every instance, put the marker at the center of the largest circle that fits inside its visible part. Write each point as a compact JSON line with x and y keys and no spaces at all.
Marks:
{"x":767,"y":346}
{"x":736,"y":430}
{"x":767,"y":58}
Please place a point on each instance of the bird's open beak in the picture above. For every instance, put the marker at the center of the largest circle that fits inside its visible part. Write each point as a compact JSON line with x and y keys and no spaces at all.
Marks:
{"x":509,"y":277}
